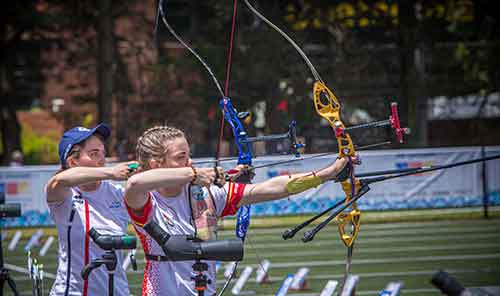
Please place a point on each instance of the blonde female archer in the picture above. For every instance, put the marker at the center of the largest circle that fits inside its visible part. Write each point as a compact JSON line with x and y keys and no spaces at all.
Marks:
{"x":163,"y":192}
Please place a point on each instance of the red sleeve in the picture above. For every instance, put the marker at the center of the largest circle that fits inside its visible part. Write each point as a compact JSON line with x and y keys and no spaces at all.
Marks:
{"x":234,"y":195}
{"x":143,"y":217}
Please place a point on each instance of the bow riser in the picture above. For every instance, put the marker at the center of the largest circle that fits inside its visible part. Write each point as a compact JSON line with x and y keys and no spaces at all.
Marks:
{"x":352,"y":220}
{"x":328,"y":107}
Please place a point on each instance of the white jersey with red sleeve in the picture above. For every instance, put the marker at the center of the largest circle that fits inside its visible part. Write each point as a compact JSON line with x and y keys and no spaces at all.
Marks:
{"x":176,"y":215}
{"x":103,"y":209}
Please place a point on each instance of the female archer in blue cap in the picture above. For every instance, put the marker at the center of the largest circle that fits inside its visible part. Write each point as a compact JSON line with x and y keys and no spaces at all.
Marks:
{"x":80,"y":197}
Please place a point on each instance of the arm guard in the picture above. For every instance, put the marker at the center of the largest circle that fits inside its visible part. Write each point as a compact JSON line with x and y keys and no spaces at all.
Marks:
{"x":300,"y":184}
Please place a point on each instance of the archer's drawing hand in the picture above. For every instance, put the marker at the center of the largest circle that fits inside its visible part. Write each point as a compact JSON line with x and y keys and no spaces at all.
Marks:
{"x":123,"y":171}
{"x":207,"y":176}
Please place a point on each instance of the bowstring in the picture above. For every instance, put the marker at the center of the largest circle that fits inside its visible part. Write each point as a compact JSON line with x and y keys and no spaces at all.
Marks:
{"x":162,"y":16}
{"x":222,"y":122}
{"x":290,"y":40}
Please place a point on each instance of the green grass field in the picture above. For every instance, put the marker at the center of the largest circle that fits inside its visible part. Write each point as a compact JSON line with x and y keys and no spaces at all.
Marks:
{"x":408,"y":249}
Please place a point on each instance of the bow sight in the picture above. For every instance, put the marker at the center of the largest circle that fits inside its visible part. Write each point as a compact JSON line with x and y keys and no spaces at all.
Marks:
{"x":393,"y":122}
{"x":233,"y":117}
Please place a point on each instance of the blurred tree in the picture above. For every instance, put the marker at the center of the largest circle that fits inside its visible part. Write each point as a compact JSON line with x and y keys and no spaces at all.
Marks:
{"x":104,"y":54}
{"x":105,"y":59}
{"x":20,"y":78}
{"x":445,"y":48}
{"x":50,"y":52}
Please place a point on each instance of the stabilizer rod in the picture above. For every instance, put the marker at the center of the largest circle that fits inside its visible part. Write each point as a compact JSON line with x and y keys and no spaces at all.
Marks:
{"x":389,"y":174}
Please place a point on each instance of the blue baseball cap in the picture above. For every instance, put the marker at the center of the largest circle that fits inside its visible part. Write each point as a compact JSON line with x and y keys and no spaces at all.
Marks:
{"x":77,"y":135}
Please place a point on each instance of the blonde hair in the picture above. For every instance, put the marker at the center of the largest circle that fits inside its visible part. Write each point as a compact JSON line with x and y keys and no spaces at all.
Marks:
{"x":153,"y":144}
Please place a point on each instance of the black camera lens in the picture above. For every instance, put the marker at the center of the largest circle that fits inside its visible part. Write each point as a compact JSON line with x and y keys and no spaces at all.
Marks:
{"x":10,"y":210}
{"x":447,"y":284}
{"x":182,"y":247}
{"x":113,"y":242}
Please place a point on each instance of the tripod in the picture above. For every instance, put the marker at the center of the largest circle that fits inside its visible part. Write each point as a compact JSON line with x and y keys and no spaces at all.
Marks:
{"x":4,"y":272}
{"x":110,"y":261}
{"x":200,"y":280}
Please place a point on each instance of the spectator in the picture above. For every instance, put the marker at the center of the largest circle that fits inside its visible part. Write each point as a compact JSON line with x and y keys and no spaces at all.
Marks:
{"x":16,"y":159}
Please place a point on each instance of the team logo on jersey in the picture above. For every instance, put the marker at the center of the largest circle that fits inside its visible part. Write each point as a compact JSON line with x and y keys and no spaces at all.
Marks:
{"x":199,"y":193}
{"x":115,"y":205}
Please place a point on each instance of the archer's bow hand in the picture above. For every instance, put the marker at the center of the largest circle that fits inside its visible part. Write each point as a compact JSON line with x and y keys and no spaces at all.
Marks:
{"x":340,"y":170}
{"x":240,"y":174}
{"x":348,"y":167}
{"x":208,"y":176}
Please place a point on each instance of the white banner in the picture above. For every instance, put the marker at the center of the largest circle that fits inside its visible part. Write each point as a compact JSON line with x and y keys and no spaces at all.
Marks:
{"x":456,"y":187}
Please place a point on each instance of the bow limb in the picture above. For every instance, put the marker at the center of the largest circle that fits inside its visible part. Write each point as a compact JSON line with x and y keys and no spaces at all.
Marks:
{"x":239,"y":133}
{"x":161,"y":15}
{"x":288,"y":38}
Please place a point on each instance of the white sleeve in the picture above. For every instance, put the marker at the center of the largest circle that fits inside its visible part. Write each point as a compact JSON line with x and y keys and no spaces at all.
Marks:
{"x":59,"y":210}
